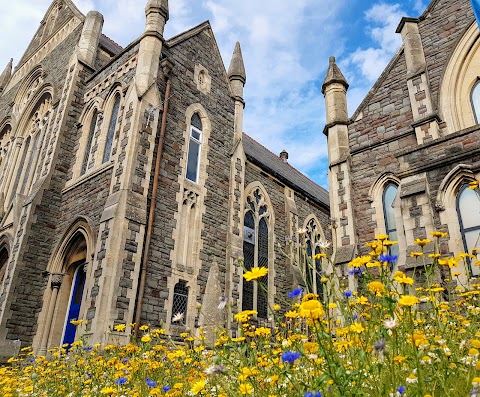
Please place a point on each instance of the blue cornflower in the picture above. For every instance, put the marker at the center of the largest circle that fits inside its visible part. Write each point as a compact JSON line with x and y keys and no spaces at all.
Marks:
{"x":121,"y":381}
{"x":166,"y":388}
{"x":312,"y":394}
{"x":388,"y":258}
{"x":89,"y":375}
{"x":150,"y":383}
{"x":295,"y":293}
{"x":87,"y":348}
{"x":347,"y":294}
{"x":290,"y":357}
{"x":356,"y":271}
{"x":401,"y":390}
{"x":125,"y":360}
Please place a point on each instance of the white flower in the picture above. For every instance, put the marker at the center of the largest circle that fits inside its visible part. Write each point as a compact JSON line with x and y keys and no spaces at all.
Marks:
{"x":177,"y":317}
{"x":411,"y":379}
{"x":390,"y":323}
{"x":223,"y":302}
{"x":323,"y":244}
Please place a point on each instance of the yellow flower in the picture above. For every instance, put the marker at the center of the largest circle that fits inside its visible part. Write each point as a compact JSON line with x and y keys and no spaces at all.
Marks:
{"x":438,"y":234}
{"x":244,"y":316}
{"x":120,"y":327}
{"x":382,"y":237}
{"x":309,"y":296}
{"x":198,"y":386}
{"x":422,"y":242}
{"x":245,"y":388}
{"x":332,"y":305}
{"x":434,"y":256}
{"x":376,"y":287}
{"x":76,"y":322}
{"x":255,"y":273}
{"x":473,"y":185}
{"x":311,"y":309}
{"x":319,"y":256}
{"x":108,"y":391}
{"x":450,"y":262}
{"x":276,"y":307}
{"x":357,"y":327}
{"x":291,"y":314}
{"x":143,"y":328}
{"x":408,"y":300}
{"x":415,"y":254}
{"x":146,"y":338}
{"x":401,"y":278}
{"x":311,"y":347}
{"x":389,"y":243}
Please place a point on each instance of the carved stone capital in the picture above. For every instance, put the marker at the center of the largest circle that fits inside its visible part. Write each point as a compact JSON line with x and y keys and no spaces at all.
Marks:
{"x":56,"y":280}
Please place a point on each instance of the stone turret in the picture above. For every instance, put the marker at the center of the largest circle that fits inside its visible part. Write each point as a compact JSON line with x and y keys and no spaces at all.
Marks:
{"x":5,"y":76}
{"x":150,"y":50}
{"x":238,"y":78}
{"x":334,"y":89}
{"x":425,"y":117}
{"x":88,"y":44}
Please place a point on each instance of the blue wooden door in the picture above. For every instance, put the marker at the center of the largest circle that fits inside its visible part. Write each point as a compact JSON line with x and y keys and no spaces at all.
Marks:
{"x":75,"y":303}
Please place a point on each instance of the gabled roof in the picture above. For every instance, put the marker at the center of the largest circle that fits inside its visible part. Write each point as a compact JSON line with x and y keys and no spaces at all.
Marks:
{"x":109,"y":45}
{"x":290,"y":176}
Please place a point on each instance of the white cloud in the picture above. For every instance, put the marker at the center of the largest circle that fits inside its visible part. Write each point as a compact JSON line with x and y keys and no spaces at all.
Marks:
{"x":383,"y":19}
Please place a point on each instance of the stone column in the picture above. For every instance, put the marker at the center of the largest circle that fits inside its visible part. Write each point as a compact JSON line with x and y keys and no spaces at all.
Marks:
{"x":55,"y":284}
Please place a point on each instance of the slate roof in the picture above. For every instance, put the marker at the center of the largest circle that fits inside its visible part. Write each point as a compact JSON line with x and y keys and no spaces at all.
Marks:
{"x":271,"y":163}
{"x":109,"y":45}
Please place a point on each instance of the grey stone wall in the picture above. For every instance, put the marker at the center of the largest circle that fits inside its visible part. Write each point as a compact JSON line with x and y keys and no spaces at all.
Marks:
{"x":220,"y":108}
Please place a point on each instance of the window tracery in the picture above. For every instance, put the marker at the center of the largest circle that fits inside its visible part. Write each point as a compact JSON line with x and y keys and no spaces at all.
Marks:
{"x":256,"y":252}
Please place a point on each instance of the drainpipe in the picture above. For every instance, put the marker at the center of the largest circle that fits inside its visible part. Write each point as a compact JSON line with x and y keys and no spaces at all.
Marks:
{"x":167,"y":68}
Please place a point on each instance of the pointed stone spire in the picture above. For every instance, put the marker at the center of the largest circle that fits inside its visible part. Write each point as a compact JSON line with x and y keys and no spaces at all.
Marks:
{"x":5,"y":76}
{"x":334,"y":75}
{"x":237,"y":77}
{"x":157,"y":14}
{"x":236,"y":71}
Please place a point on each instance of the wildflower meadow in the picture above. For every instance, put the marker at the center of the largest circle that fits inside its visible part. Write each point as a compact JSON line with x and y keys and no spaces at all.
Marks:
{"x":394,"y":336}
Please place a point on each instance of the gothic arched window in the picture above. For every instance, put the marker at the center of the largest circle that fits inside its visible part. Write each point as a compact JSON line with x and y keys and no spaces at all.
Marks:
{"x":111,"y":129}
{"x":475,"y":99}
{"x":26,"y":146}
{"x":194,"y":146}
{"x":313,"y":267}
{"x":468,"y":209}
{"x":388,"y":199}
{"x":3,"y":262}
{"x":256,"y":253}
{"x":91,"y":133}
{"x":180,"y":303}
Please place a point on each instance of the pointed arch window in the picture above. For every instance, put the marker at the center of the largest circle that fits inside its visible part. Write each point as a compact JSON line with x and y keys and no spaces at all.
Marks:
{"x":3,"y":262}
{"x":468,"y":209}
{"x":313,"y":267}
{"x":180,"y":302}
{"x":475,"y":100}
{"x":389,"y":195}
{"x":194,"y":147}
{"x":111,"y":129}
{"x":91,"y":133}
{"x":26,"y":146}
{"x":256,"y":246}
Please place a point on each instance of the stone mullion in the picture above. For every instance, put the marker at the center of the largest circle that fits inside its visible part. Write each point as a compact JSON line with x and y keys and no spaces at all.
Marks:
{"x":12,"y":168}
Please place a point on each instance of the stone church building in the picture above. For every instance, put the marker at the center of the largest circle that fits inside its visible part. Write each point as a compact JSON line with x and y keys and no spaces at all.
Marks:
{"x":401,"y":164}
{"x":129,"y":192}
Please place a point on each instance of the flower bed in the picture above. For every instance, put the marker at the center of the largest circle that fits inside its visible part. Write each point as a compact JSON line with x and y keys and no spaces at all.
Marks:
{"x":397,"y":337}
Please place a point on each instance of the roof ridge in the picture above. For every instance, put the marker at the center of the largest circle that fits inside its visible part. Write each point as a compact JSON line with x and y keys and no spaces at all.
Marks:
{"x":112,"y":41}
{"x":286,"y":162}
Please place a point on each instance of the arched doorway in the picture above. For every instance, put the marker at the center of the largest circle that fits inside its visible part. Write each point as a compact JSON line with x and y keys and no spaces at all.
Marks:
{"x":68,"y":284}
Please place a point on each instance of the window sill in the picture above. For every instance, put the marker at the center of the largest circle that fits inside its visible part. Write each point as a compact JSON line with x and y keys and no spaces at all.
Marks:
{"x":89,"y":175}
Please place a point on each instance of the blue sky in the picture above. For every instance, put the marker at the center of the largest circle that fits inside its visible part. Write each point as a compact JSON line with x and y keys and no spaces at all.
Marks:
{"x":285,"y":44}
